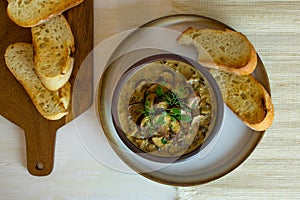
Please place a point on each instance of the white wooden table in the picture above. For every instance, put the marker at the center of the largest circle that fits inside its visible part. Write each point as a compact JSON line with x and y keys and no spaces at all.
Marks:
{"x":271,"y":172}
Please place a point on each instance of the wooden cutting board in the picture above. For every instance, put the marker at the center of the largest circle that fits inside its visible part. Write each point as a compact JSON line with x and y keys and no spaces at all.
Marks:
{"x":15,"y":104}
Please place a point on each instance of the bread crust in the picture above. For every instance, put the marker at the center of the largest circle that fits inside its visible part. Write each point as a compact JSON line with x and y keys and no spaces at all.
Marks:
{"x":185,"y":38}
{"x":268,"y":120}
{"x":38,"y":17}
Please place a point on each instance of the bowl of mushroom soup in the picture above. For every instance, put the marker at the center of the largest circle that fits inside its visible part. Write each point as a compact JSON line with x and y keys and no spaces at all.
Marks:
{"x":164,"y":108}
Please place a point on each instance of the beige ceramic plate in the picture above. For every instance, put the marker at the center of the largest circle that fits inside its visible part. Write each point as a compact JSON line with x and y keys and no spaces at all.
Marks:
{"x":233,"y":145}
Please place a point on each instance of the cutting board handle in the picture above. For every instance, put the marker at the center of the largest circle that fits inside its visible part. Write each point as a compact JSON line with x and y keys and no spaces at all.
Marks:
{"x":40,"y":147}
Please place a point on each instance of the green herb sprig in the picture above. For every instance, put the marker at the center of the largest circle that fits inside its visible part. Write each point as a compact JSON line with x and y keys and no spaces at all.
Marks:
{"x":174,"y":101}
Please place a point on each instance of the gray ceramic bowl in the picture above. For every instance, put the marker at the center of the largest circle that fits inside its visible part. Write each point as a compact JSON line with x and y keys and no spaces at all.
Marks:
{"x":115,"y":78}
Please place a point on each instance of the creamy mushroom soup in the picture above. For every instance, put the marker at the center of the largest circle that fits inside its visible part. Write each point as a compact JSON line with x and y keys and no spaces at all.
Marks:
{"x":164,"y":108}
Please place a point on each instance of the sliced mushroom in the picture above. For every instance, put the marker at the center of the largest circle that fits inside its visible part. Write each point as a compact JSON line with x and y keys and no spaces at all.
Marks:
{"x":162,"y":122}
{"x":203,"y":130}
{"x":139,"y":142}
{"x":195,"y":124}
{"x":198,"y":84}
{"x":206,"y":109}
{"x":151,"y":99}
{"x":145,"y":123}
{"x":184,"y":112}
{"x":167,"y":119}
{"x":205,"y":120}
{"x":162,"y":105}
{"x":175,"y":127}
{"x":152,"y":88}
{"x":193,"y":81}
{"x":194,"y":102}
{"x":138,"y":94}
{"x":151,"y":147}
{"x":202,"y":87}
{"x":136,"y":111}
{"x":144,"y":144}
{"x":158,"y":141}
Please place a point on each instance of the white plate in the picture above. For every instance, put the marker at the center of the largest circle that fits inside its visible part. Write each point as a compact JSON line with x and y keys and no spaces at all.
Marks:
{"x":233,"y":145}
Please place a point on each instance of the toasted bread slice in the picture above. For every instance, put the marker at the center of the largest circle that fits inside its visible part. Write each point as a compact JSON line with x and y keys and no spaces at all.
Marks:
{"x":52,"y":105}
{"x":227,"y":50}
{"x":29,"y":13}
{"x":247,"y":98}
{"x":53,"y":44}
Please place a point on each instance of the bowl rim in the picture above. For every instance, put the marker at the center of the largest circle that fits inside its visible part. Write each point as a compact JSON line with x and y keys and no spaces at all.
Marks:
{"x":214,"y":93}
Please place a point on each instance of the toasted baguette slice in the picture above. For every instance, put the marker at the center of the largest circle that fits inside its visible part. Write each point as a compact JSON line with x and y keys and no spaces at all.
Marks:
{"x":52,"y":105}
{"x":247,"y":98}
{"x":29,"y":13}
{"x":228,"y":50}
{"x":53,"y":44}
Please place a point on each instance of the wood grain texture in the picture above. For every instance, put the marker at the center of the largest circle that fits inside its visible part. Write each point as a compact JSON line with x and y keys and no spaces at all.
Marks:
{"x":15,"y":104}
